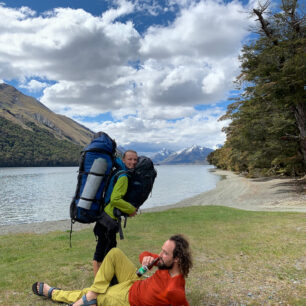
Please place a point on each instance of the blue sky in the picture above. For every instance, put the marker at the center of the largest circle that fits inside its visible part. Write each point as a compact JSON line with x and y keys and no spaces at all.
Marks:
{"x":150,"y":73}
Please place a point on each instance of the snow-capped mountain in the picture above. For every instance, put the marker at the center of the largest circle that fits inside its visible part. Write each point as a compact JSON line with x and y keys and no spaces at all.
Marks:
{"x":161,"y":155}
{"x":192,"y":155}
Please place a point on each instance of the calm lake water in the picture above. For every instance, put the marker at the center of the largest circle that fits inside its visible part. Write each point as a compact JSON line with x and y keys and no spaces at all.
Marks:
{"x":44,"y":194}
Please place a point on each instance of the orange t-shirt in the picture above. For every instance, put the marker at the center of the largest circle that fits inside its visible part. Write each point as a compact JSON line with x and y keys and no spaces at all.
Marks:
{"x":158,"y":290}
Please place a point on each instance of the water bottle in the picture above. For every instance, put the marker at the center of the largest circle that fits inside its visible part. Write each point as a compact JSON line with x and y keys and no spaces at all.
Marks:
{"x":142,"y":270}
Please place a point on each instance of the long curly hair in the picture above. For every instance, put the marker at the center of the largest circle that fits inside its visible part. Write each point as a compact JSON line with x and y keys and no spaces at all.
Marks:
{"x":182,"y":252}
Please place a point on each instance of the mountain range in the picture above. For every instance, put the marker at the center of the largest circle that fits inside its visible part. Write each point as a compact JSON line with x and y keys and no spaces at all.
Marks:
{"x":192,"y":155}
{"x":160,"y":156}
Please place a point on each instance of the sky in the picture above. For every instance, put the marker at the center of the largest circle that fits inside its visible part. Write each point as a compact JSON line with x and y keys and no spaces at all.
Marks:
{"x":152,"y":74}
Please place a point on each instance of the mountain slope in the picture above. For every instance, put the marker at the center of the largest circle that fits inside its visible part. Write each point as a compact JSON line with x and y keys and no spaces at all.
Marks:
{"x":34,"y":147}
{"x":32,"y":135}
{"x":21,"y":109}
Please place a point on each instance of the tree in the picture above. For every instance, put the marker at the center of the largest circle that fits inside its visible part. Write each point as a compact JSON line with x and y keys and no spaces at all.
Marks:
{"x":36,"y":147}
{"x":284,"y":35}
{"x":268,"y":128}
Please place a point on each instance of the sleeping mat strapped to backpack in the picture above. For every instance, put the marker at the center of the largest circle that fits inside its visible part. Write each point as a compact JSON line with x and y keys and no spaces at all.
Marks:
{"x":96,"y":164}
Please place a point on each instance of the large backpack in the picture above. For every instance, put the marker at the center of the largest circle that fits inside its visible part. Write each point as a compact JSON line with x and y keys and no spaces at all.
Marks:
{"x":141,"y":180}
{"x":95,"y":167}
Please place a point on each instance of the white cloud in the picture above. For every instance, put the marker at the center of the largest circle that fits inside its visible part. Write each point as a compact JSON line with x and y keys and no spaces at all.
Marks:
{"x":147,"y":81}
{"x":124,"y":7}
{"x":202,"y":127}
{"x":194,"y":60}
{"x":209,"y":30}
{"x":34,"y":85}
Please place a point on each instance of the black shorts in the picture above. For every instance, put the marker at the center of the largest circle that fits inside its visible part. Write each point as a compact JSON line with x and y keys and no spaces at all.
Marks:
{"x":106,"y":240}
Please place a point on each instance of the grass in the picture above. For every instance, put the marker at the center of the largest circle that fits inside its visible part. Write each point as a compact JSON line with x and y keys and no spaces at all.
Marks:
{"x":240,"y":257}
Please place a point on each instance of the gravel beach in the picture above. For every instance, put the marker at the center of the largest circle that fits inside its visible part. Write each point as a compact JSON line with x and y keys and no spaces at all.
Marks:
{"x":259,"y":194}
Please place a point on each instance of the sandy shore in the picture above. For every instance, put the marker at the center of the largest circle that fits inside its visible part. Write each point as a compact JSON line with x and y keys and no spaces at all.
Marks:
{"x":261,"y":194}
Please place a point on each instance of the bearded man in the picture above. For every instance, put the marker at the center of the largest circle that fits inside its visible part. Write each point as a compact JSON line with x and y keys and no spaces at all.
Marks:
{"x":165,"y":287}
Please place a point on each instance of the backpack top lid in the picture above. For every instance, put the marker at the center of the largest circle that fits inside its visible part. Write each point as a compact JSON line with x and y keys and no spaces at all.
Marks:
{"x":144,"y":163}
{"x":104,"y":142}
{"x":141,"y":181}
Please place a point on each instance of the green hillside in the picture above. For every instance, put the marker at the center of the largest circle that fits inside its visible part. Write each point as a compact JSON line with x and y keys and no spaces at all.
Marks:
{"x":34,"y":147}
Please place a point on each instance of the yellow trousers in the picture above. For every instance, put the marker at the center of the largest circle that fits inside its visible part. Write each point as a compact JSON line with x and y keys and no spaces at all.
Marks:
{"x":114,"y":263}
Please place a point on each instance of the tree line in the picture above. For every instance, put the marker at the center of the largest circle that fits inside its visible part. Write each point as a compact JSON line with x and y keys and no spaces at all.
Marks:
{"x":34,"y":147}
{"x":267,"y":130}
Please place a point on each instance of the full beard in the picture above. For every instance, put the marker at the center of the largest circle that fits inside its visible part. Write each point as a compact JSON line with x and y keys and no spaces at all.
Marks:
{"x":162,"y":266}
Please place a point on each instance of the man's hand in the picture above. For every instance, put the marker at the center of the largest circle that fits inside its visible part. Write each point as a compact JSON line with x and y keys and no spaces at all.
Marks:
{"x":147,"y":260}
{"x":133,"y":214}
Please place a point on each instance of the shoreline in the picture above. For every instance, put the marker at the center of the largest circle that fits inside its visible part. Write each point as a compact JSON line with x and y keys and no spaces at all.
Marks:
{"x":259,"y":194}
{"x":253,"y":194}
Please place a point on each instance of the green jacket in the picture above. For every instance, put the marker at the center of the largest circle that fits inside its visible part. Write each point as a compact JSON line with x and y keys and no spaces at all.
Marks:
{"x":116,"y":199}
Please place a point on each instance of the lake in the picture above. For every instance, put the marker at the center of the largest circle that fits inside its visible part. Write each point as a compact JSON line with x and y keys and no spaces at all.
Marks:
{"x":36,"y":194}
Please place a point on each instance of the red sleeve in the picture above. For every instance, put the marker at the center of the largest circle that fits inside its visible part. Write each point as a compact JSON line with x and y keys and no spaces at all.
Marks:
{"x":143,"y":254}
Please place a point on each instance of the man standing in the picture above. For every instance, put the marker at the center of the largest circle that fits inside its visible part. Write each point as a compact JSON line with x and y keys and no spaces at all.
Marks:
{"x":106,"y":238}
{"x":165,"y":287}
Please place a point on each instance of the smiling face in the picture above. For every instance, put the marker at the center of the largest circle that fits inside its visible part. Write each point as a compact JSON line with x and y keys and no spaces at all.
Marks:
{"x":166,"y":260}
{"x":130,"y":159}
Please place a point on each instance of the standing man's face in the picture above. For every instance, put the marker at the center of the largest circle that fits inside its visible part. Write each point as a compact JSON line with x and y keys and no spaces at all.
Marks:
{"x":130,"y":160}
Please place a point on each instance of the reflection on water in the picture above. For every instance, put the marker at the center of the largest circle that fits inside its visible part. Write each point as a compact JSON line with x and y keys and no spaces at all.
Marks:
{"x":44,"y":193}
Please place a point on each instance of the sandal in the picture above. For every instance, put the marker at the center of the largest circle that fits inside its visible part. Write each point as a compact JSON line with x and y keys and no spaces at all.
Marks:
{"x":86,"y":302}
{"x":40,"y":291}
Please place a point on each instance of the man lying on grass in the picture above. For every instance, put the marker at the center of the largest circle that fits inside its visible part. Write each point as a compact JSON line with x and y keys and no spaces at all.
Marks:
{"x":165,"y":287}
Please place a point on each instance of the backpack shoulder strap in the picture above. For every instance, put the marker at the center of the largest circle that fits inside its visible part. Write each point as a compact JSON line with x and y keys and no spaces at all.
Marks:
{"x":117,"y":173}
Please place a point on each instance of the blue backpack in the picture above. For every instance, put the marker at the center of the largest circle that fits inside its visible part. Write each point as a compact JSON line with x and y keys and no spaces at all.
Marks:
{"x":95,"y":167}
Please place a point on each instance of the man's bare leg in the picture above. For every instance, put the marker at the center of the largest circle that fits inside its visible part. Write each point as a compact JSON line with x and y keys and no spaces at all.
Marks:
{"x":96,"y":265}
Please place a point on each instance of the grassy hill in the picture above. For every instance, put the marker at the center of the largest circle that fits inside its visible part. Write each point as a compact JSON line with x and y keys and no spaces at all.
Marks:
{"x":32,"y":135}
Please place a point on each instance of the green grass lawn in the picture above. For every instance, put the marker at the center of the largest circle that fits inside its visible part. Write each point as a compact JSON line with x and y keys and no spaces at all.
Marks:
{"x":240,"y":257}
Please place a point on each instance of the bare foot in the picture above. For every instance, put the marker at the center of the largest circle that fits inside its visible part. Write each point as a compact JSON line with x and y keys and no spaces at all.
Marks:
{"x":89,"y":296}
